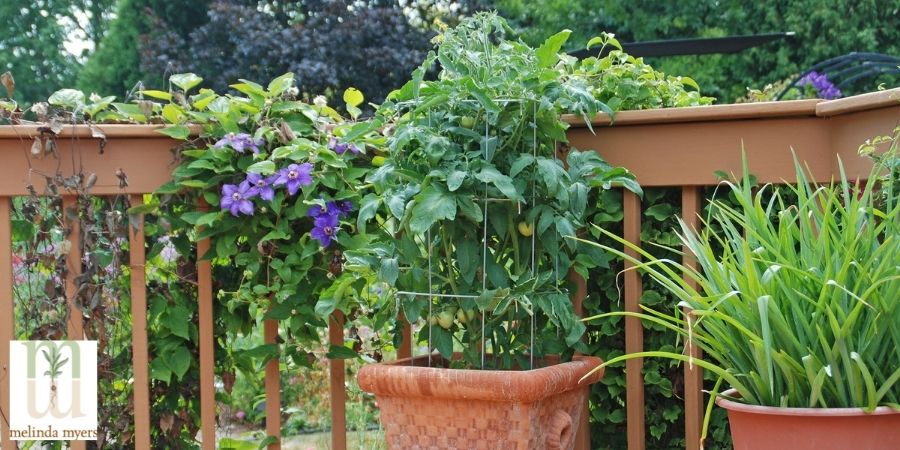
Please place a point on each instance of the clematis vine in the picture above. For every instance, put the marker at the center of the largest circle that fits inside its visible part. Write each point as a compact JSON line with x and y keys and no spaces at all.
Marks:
{"x":294,"y":176}
{"x":236,"y":198}
{"x":262,"y":185}
{"x":240,"y":142}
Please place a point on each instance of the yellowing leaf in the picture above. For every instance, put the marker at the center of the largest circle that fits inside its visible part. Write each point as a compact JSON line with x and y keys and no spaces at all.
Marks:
{"x":353,"y":97}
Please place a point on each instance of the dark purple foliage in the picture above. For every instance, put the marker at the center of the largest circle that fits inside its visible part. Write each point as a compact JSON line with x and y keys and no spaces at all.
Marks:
{"x":371,"y":47}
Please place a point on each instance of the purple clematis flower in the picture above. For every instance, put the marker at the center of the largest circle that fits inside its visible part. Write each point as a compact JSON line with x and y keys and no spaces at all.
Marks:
{"x":325,"y":228}
{"x":341,"y":147}
{"x":824,"y":87}
{"x":294,"y":176}
{"x":236,"y":198}
{"x":262,"y":185}
{"x":332,"y":209}
{"x":240,"y":142}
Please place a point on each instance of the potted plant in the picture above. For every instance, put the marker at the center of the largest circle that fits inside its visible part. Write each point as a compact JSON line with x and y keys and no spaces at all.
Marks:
{"x":477,"y":197}
{"x":796,"y":310}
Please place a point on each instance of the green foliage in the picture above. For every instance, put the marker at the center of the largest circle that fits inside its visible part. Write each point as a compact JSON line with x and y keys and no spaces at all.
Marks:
{"x":32,"y":47}
{"x":663,"y":380}
{"x":832,"y":255}
{"x":472,"y":161}
{"x":823,"y":30}
{"x":535,"y":20}
{"x":116,"y":64}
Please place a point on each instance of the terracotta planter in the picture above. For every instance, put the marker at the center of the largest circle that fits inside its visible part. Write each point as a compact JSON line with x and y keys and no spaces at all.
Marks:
{"x":439,"y":408}
{"x":765,"y":427}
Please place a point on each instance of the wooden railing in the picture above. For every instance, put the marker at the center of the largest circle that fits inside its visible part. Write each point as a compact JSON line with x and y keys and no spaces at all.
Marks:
{"x":672,"y":148}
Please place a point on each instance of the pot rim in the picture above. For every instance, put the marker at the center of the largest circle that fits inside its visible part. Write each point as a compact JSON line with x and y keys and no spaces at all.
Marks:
{"x":400,"y":379}
{"x":732,"y":405}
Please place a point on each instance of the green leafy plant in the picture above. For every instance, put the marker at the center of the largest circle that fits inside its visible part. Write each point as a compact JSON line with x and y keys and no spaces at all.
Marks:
{"x":627,"y":83}
{"x":798,"y":308}
{"x":474,"y":181}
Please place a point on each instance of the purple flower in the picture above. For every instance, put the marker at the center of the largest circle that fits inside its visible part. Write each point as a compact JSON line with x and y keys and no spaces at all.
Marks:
{"x":294,"y":176}
{"x":240,"y":142}
{"x":262,"y":185}
{"x":331,"y":208}
{"x":325,"y":228}
{"x":237,"y":198}
{"x":341,"y":147}
{"x":169,"y":253}
{"x":824,"y":88}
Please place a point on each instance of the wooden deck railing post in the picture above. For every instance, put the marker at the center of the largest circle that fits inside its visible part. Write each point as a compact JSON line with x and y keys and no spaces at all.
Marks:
{"x":73,"y":270}
{"x":207,"y":356}
{"x":583,"y":433}
{"x":338,"y":389}
{"x":7,"y":314}
{"x":273,"y":387}
{"x":693,"y":374}
{"x":139,"y":344}
{"x":634,"y":333}
{"x":406,"y":342}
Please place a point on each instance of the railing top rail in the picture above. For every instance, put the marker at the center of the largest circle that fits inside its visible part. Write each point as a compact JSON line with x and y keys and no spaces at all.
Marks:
{"x":762,"y":110}
{"x":119,"y":131}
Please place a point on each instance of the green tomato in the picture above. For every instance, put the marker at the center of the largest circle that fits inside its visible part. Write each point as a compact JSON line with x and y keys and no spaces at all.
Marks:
{"x":432,"y":320}
{"x":467,"y":122}
{"x":526,"y":229}
{"x":445,"y":319}
{"x":461,"y":316}
{"x":378,"y":161}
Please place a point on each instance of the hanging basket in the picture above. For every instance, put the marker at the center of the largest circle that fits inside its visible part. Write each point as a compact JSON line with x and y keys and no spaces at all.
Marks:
{"x":441,"y":408}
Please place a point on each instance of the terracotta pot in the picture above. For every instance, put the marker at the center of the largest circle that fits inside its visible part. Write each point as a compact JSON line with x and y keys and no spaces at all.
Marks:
{"x":766,"y":427}
{"x":440,"y":408}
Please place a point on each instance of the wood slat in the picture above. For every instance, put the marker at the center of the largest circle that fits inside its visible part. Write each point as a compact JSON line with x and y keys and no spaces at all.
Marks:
{"x":147,"y":163}
{"x":634,"y":332}
{"x":691,"y":209}
{"x":273,"y":387}
{"x":139,"y":344}
{"x":405,"y":350}
{"x":75,"y":328}
{"x":583,"y":434}
{"x":207,"y":356}
{"x":862,"y":102}
{"x":7,"y":314}
{"x":338,"y":389}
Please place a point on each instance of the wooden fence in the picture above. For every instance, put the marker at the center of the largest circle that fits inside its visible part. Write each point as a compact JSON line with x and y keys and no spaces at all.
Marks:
{"x":672,"y":148}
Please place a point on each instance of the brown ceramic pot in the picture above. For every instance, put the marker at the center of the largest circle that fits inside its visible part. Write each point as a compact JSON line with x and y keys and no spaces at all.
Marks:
{"x":769,"y":428}
{"x":439,"y":408}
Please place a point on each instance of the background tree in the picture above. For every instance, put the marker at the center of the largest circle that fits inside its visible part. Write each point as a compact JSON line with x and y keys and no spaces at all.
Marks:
{"x":824,"y":29}
{"x":115,"y":67}
{"x":329,"y":45}
{"x":33,"y":45}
